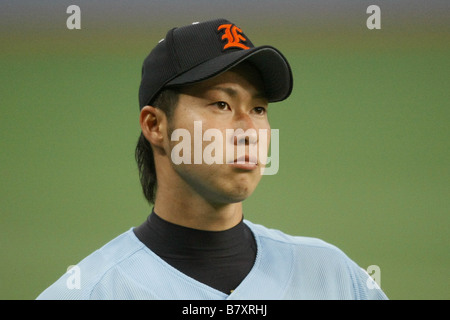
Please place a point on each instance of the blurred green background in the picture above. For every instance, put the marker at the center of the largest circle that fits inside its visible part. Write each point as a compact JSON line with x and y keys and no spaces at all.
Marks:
{"x":364,"y":138}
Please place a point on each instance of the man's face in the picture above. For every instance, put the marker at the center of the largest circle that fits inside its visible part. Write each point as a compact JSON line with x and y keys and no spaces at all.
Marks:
{"x":226,"y":104}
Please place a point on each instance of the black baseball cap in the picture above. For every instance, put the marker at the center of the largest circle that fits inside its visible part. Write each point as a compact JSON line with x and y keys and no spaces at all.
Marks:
{"x":202,"y":50}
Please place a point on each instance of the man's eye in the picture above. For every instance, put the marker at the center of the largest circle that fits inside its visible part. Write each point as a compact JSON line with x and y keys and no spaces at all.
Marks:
{"x":260,"y":110}
{"x":222,"y":105}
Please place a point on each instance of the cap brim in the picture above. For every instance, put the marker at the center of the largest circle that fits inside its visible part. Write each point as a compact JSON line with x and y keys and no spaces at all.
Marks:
{"x":273,"y":66}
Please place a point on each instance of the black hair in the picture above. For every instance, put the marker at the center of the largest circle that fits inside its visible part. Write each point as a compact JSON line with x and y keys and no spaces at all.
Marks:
{"x":167,"y":101}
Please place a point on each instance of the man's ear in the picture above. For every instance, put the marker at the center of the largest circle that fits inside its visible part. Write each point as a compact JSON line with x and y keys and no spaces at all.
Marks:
{"x":153,"y":125}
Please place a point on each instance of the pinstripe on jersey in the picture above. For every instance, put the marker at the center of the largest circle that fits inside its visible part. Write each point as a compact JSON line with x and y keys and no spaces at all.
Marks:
{"x":286,"y":267}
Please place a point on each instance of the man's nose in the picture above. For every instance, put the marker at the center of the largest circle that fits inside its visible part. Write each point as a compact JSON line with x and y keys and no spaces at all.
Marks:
{"x":246,"y":137}
{"x":245,"y":131}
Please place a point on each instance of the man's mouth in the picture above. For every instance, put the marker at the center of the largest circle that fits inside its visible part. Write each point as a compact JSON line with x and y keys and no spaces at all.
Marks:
{"x":246,"y":162}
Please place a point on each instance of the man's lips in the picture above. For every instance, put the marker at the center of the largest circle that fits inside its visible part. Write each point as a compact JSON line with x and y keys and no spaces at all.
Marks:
{"x":244,"y":162}
{"x":244,"y":159}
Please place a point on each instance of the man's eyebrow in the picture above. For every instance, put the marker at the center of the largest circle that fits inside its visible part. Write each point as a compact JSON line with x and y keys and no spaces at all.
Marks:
{"x":229,"y":91}
{"x":232,"y":92}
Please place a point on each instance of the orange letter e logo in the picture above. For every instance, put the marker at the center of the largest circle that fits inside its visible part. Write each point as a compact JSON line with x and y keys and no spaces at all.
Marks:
{"x":233,"y":35}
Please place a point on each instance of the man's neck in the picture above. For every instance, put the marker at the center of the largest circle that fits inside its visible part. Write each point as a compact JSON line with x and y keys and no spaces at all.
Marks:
{"x":197,"y":213}
{"x":220,"y":260}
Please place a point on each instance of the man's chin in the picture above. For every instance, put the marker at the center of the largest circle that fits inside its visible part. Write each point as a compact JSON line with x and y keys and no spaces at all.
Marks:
{"x":235,"y":196}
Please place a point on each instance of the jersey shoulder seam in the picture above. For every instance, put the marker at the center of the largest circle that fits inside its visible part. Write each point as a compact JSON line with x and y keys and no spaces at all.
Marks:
{"x":281,"y":237}
{"x":116,"y":263}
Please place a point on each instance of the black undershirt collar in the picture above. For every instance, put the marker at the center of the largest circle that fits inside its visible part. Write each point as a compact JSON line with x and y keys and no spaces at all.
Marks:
{"x":219,"y":259}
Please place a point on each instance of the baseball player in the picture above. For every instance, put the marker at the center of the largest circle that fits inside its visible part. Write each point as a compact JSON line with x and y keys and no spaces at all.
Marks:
{"x":196,"y":244}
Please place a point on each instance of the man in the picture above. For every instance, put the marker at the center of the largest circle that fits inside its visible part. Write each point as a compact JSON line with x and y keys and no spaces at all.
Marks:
{"x":209,"y":78}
